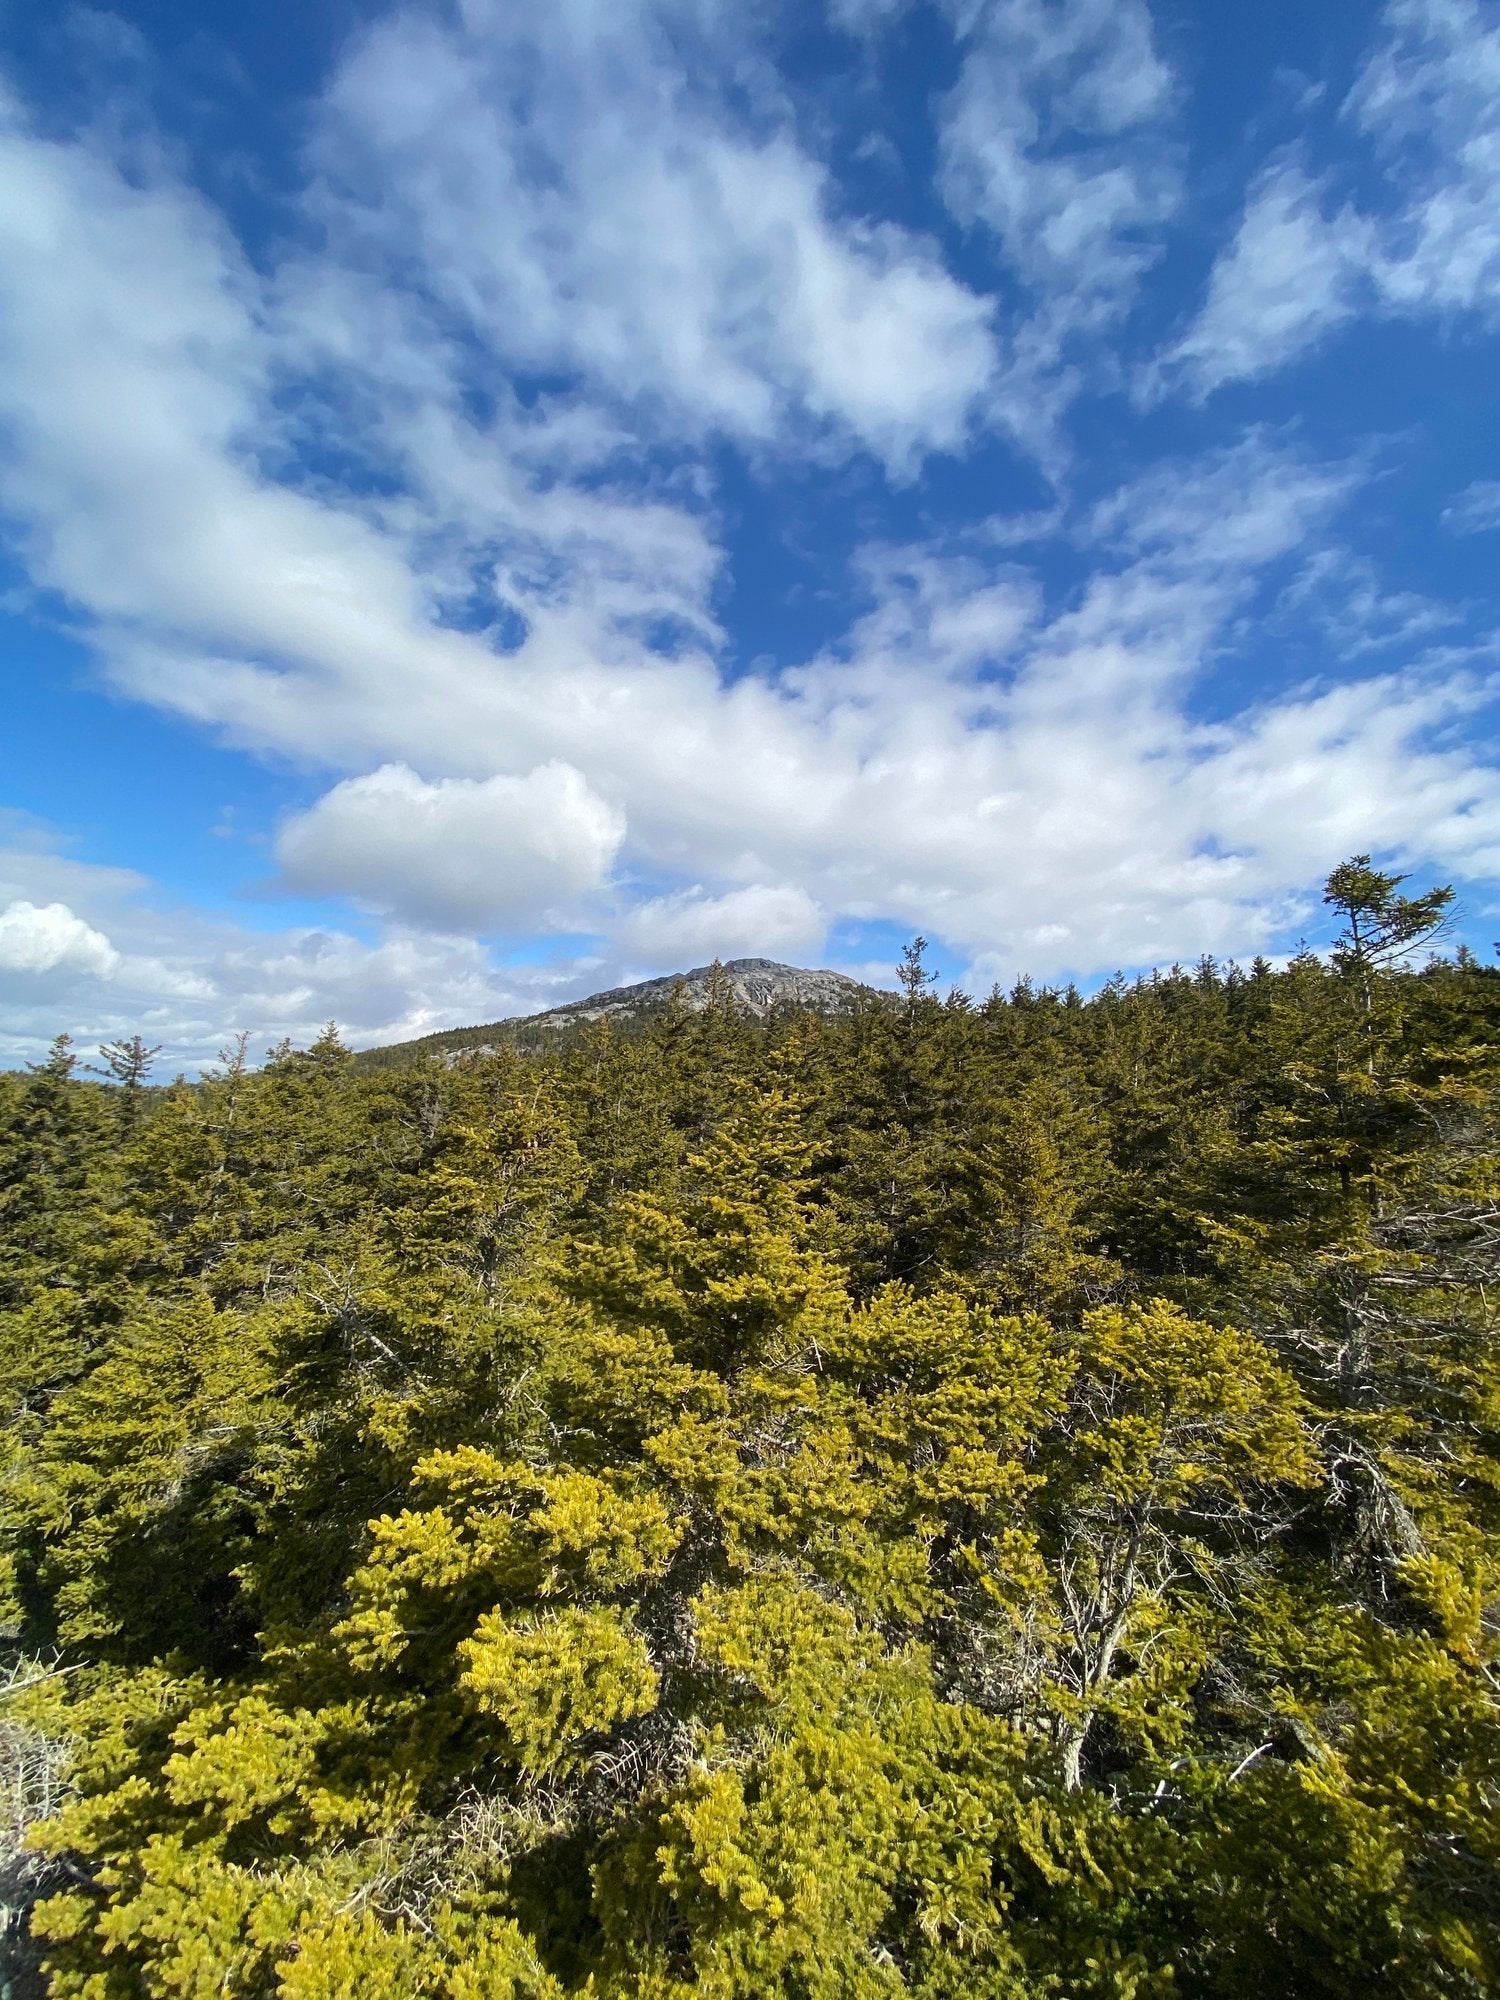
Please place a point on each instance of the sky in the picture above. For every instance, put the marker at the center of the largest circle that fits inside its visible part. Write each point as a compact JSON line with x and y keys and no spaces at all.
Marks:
{"x":501,"y":500}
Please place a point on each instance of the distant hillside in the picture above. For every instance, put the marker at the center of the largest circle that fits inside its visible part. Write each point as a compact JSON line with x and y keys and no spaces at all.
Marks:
{"x":760,"y":986}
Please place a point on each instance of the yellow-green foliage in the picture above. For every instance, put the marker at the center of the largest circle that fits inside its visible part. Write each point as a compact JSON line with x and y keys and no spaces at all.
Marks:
{"x":971,"y":1502}
{"x":557,"y":1681}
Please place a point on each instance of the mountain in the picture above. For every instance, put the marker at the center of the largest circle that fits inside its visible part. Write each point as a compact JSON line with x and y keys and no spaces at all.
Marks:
{"x":759,"y":987}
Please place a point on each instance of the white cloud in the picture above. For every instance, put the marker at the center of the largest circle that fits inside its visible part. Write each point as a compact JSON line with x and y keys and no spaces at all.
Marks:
{"x":587,"y":201}
{"x":460,"y":854}
{"x":1052,"y":138}
{"x":132,"y":963}
{"x":691,"y":927}
{"x":1230,"y":511}
{"x":1031,"y":788}
{"x":1341,"y":594}
{"x":37,"y":939}
{"x":1428,"y":101}
{"x":1312,"y":774}
{"x":1292,"y":272}
{"x":515,"y":596}
{"x":1476,"y":510}
{"x":133,"y":373}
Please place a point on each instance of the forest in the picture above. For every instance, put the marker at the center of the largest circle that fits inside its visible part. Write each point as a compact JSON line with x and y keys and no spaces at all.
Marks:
{"x":970,"y":1499}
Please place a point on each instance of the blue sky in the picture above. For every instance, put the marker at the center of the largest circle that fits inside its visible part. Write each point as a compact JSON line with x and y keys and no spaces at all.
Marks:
{"x":498,"y":500}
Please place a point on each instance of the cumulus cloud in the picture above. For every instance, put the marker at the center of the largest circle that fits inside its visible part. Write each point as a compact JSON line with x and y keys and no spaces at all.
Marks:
{"x":98,"y":953}
{"x":691,"y":927}
{"x":1303,"y":262}
{"x":38,"y":939}
{"x":459,"y":854}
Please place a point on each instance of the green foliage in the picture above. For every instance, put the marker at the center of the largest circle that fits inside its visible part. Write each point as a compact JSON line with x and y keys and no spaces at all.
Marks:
{"x":988,"y":1502}
{"x":1379,"y":924}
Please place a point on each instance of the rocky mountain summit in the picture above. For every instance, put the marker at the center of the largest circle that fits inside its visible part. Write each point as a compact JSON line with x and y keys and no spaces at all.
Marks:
{"x":757,"y":986}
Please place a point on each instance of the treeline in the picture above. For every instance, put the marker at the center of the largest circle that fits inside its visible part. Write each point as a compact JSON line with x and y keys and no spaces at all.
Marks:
{"x":971,"y":1500}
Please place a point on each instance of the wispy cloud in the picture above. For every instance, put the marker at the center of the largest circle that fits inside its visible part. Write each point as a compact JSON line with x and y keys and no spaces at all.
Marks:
{"x":1304,"y":260}
{"x":1476,"y":510}
{"x":1295,"y":269}
{"x":1056,"y":140}
{"x":1052,"y":138}
{"x":1341,"y":595}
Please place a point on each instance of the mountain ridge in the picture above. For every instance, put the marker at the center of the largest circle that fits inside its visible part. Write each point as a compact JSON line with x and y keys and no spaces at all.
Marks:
{"x":758,"y":987}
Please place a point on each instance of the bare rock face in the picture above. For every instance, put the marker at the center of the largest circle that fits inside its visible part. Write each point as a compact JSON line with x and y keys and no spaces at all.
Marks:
{"x":758,"y":986}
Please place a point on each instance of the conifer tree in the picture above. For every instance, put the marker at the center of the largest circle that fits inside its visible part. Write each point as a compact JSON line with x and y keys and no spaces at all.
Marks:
{"x":976,"y":1502}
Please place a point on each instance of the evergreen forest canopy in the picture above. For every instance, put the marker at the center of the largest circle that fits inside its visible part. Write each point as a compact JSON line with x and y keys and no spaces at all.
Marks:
{"x":975,"y":1501}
